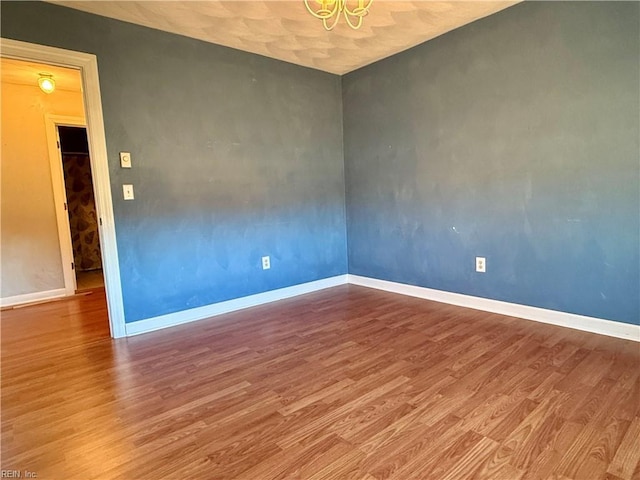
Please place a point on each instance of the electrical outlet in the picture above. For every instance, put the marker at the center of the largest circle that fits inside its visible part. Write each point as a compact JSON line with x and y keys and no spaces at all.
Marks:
{"x":266,"y":263}
{"x":481,"y":264}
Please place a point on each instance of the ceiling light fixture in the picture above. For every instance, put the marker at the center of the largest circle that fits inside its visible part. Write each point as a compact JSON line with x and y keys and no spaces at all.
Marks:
{"x":46,"y":82}
{"x":329,"y":11}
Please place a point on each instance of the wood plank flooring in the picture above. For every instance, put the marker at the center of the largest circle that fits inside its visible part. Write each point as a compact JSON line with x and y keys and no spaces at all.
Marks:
{"x":346,"y":383}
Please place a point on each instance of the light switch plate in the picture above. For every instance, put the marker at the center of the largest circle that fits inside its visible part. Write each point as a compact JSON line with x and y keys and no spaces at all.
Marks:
{"x":125,"y":159}
{"x":127,"y":191}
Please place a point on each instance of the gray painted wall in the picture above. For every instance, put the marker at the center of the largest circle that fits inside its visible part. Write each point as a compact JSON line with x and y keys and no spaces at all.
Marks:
{"x":515,"y":138}
{"x":235,"y":156}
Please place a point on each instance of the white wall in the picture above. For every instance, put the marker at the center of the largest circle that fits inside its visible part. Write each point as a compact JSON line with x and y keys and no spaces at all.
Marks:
{"x":30,"y":251}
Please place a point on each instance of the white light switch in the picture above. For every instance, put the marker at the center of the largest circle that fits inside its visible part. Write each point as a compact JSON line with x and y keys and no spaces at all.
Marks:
{"x":125,"y":159}
{"x":127,"y":191}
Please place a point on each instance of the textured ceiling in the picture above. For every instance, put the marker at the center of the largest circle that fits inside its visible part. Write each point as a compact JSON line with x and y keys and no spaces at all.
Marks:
{"x":19,"y":72}
{"x":286,"y":31}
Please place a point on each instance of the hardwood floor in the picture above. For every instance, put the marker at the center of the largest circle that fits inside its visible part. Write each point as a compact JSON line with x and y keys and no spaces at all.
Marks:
{"x":89,"y":280}
{"x":346,"y":383}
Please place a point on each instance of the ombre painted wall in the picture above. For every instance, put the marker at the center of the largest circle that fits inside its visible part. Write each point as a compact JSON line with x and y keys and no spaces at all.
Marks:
{"x":515,"y":138}
{"x":235,"y":156}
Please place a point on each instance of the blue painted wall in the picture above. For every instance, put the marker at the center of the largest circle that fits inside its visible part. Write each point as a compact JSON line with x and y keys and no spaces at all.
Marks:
{"x":515,"y":138}
{"x":235,"y":156}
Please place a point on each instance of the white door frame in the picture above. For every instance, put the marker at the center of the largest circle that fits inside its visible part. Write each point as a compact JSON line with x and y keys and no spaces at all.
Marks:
{"x":88,"y":66}
{"x":60,"y":195}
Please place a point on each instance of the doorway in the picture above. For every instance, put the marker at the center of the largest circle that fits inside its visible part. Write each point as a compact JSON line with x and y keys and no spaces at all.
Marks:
{"x":86,"y":65}
{"x":81,"y":207}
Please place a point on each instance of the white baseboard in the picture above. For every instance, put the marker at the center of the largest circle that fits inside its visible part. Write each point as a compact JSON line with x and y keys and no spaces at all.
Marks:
{"x":200,"y":313}
{"x":32,"y":297}
{"x":553,"y":317}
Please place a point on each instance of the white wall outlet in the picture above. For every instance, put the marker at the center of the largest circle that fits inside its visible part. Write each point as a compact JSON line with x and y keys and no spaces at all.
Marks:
{"x":266,"y":263}
{"x":481,"y":264}
{"x":125,"y":159}
{"x":127,"y":191}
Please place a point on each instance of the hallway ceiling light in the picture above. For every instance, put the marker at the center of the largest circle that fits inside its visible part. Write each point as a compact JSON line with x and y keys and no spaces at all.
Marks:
{"x":47,"y":83}
{"x":329,"y":11}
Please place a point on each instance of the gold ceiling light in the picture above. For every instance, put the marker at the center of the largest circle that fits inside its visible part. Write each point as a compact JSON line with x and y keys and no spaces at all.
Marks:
{"x":329,"y":11}
{"x":46,"y":82}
